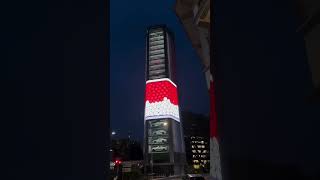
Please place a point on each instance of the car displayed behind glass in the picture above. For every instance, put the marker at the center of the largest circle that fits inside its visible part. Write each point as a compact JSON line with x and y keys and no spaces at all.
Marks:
{"x":159,"y":140}
{"x":158,"y":124}
{"x":159,"y":132}
{"x":159,"y":148}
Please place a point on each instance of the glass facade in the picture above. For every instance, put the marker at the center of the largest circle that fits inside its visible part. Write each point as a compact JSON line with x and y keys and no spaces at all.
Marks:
{"x":156,"y":54}
{"x":164,"y":145}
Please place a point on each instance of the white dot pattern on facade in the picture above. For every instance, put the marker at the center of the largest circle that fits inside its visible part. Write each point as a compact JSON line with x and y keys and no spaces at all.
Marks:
{"x":161,"y":109}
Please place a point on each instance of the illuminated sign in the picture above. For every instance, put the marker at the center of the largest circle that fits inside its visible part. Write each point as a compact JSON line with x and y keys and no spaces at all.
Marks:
{"x":161,"y":100}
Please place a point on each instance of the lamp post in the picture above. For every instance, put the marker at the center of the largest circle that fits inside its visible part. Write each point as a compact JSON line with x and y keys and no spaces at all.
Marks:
{"x":113,"y":133}
{"x":111,"y":150}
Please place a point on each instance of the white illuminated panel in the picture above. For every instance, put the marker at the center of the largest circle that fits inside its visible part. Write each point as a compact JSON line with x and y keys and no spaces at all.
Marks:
{"x":162,"y":109}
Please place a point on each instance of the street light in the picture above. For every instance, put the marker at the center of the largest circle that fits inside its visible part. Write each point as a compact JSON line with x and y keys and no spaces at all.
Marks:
{"x":113,"y":133}
{"x":165,"y":123}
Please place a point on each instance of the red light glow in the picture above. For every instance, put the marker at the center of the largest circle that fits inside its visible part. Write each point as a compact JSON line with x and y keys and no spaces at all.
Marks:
{"x":161,"y":99}
{"x":118,"y":162}
{"x":157,"y":91}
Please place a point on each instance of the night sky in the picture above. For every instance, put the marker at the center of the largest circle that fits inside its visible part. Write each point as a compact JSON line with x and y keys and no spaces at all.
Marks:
{"x":128,"y":23}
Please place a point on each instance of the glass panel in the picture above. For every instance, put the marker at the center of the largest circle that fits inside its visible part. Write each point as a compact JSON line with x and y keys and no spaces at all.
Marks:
{"x":157,"y":61}
{"x":157,"y":47}
{"x":156,"y":56}
{"x":157,"y":77}
{"x":155,"y":43}
{"x":159,"y":148}
{"x":156,"y":72}
{"x":158,"y":140}
{"x":158,"y":66}
{"x":155,"y":38}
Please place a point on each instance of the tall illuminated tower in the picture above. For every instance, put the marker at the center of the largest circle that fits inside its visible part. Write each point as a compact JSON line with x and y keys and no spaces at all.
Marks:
{"x":163,"y":146}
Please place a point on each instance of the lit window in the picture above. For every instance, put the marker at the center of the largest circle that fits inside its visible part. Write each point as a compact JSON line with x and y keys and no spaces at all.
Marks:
{"x":202,"y":142}
{"x":156,"y":47}
{"x":156,"y":52}
{"x":194,"y":151}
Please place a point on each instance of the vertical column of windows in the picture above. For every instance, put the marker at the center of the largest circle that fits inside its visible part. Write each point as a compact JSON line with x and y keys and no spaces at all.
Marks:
{"x":156,"y":55}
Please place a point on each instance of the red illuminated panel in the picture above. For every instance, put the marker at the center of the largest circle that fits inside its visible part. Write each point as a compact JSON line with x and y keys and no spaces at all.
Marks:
{"x":157,"y":91}
{"x":161,"y":100}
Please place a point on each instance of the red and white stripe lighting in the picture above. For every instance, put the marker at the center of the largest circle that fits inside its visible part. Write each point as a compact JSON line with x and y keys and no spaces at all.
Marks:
{"x":215,"y":166}
{"x":161,"y":100}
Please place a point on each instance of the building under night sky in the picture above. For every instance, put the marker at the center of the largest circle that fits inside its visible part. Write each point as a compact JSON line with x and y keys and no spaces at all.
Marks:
{"x":164,"y":148}
{"x":194,"y":16}
{"x":196,"y":136}
{"x":130,"y":38}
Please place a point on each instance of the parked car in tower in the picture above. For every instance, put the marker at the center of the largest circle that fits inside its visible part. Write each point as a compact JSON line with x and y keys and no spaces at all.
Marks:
{"x":157,"y":124}
{"x":159,"y":148}
{"x":159,"y":132}
{"x":159,"y":140}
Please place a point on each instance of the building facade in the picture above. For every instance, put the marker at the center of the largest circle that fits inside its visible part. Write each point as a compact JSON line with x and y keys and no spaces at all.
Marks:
{"x":194,"y":15}
{"x":196,"y":137}
{"x":163,"y":146}
{"x":308,"y":14}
